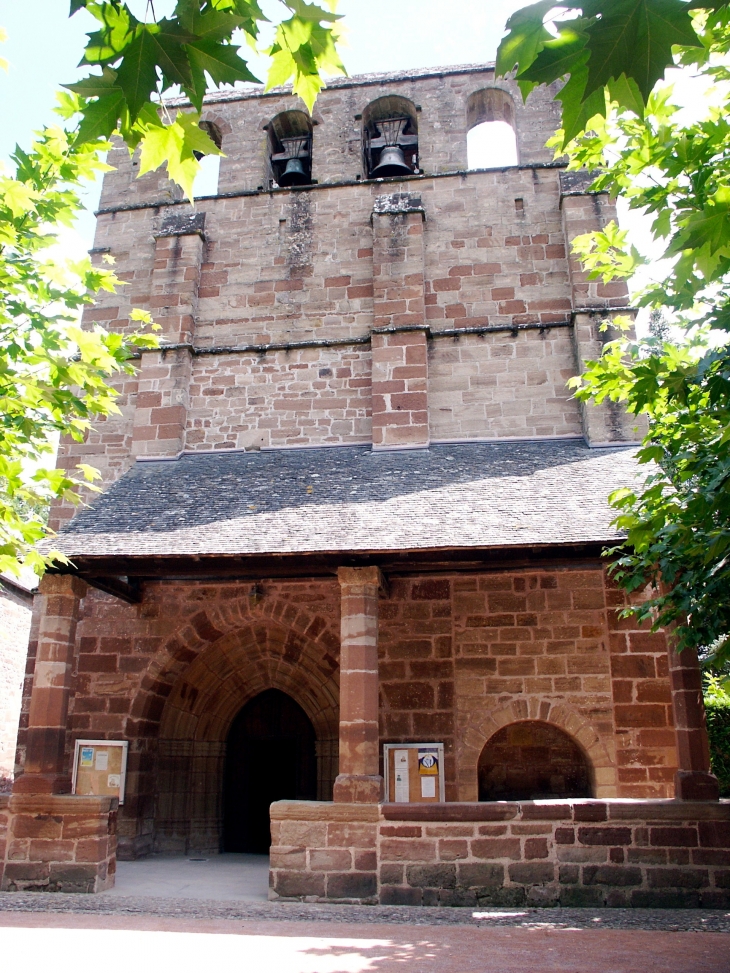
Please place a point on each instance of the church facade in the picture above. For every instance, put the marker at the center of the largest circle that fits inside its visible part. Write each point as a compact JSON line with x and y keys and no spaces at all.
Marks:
{"x":343,"y":594}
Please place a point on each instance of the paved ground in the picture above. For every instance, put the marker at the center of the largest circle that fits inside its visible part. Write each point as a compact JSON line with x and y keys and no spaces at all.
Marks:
{"x":190,"y":915}
{"x":225,"y":878}
{"x":74,"y":943}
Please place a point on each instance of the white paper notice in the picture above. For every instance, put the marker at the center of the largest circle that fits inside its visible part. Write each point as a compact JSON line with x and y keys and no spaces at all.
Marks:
{"x":402,"y":790}
{"x":428,"y":787}
{"x":114,"y":780}
{"x":102,"y":759}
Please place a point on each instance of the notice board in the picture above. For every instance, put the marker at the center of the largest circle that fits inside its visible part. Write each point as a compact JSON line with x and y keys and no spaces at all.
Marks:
{"x":414,"y":772}
{"x":100,"y":768}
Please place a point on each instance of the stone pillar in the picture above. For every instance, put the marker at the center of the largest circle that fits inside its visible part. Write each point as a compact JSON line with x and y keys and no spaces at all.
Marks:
{"x":60,"y":596}
{"x":594,"y":306}
{"x":164,"y":376}
{"x":693,"y":780}
{"x":609,"y":423}
{"x":399,"y":338}
{"x":359,"y":781}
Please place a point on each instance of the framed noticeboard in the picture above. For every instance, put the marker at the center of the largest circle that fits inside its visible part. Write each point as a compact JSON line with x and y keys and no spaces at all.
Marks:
{"x":414,"y":772}
{"x":100,"y":768}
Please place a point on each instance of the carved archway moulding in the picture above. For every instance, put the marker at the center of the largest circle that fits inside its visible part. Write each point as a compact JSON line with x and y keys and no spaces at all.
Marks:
{"x":264,"y":655}
{"x":555,"y":712}
{"x":303,"y":654}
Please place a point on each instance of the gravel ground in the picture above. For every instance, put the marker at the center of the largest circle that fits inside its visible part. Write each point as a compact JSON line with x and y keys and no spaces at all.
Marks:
{"x":660,"y":920}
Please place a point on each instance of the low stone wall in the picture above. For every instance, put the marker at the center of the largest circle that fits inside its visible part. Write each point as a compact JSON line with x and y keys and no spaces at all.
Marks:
{"x":673,"y":854}
{"x":323,"y":852}
{"x":57,"y":843}
{"x":616,"y":853}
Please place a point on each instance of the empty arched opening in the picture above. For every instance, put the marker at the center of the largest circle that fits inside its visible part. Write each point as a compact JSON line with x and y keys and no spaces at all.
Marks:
{"x":290,"y":149}
{"x":206,"y":181}
{"x":491,"y":141}
{"x":390,"y":137}
{"x":270,"y":756}
{"x":532,"y":760}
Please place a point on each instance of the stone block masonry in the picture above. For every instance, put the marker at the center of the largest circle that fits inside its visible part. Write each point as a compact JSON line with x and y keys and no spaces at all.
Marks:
{"x":648,"y":854}
{"x":459,"y":657}
{"x":57,"y":843}
{"x":668,"y":854}
{"x":323,"y":852}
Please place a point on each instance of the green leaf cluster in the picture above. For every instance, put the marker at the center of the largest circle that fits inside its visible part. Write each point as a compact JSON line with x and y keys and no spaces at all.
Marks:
{"x":604,"y":50}
{"x":54,"y":376}
{"x":677,"y":521}
{"x":197,"y":47}
{"x":717,"y":710}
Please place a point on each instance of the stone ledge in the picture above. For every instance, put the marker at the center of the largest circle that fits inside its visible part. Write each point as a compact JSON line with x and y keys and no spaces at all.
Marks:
{"x":61,"y":804}
{"x":624,"y":809}
{"x":496,"y":811}
{"x":322,"y":811}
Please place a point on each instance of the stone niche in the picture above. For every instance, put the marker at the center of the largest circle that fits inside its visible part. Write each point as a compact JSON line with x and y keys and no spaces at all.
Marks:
{"x":532,"y":760}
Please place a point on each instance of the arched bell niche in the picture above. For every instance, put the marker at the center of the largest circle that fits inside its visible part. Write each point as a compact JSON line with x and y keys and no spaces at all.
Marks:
{"x":492,"y":137}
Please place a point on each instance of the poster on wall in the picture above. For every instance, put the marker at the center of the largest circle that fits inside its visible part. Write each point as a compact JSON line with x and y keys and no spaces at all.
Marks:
{"x":414,"y":772}
{"x":100,"y":768}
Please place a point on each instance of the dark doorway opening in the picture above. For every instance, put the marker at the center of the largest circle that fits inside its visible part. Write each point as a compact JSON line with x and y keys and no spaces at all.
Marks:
{"x":530,"y":761}
{"x":270,"y":756}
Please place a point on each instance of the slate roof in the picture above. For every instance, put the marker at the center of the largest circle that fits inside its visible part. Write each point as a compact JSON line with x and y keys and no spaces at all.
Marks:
{"x":353,"y":499}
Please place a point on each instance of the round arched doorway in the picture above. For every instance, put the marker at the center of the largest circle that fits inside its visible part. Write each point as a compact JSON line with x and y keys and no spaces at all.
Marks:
{"x":530,"y":761}
{"x":270,"y":756}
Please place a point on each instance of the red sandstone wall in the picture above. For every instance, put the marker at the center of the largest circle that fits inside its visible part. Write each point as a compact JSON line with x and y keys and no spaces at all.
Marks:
{"x":461,"y":656}
{"x":572,"y":853}
{"x":647,"y":854}
{"x":494,"y":385}
{"x":57,"y":843}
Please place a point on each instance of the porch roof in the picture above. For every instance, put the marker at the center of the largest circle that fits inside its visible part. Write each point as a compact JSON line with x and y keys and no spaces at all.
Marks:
{"x":351,"y":499}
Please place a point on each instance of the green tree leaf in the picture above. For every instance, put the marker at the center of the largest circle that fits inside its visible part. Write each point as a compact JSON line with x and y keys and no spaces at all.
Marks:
{"x":137,"y":74}
{"x":635,"y":38}
{"x":96,"y":86}
{"x":101,"y":117}
{"x":221,"y":61}
{"x":526,"y":37}
{"x":120,"y":28}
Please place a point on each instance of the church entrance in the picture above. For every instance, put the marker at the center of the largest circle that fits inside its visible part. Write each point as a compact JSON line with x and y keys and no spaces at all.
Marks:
{"x":270,"y":756}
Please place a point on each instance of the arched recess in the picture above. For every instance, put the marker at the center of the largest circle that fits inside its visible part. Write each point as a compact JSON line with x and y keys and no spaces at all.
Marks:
{"x":532,"y":760}
{"x":491,"y":132}
{"x":556,"y":713}
{"x":220,"y":658}
{"x":390,"y":121}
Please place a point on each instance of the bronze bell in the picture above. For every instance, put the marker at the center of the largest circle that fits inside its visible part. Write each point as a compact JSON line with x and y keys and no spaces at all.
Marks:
{"x":392,"y":163}
{"x":294,"y":174}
